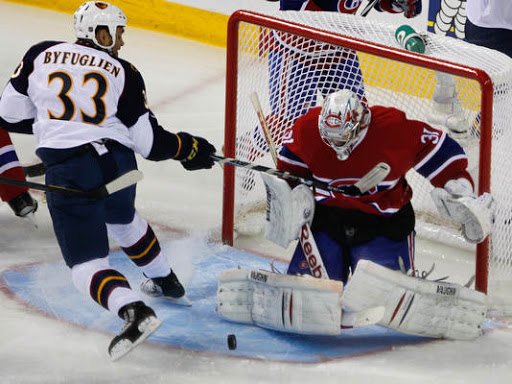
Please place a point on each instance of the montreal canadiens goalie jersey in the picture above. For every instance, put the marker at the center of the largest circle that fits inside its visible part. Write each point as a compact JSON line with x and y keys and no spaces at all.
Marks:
{"x":391,"y":138}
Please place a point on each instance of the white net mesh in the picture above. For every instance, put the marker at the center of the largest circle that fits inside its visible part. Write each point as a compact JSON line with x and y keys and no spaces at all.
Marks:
{"x":290,"y":71}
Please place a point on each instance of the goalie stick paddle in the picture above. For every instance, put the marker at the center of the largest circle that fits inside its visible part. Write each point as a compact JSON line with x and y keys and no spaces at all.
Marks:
{"x":376,"y":175}
{"x":115,"y":185}
{"x":372,"y":178}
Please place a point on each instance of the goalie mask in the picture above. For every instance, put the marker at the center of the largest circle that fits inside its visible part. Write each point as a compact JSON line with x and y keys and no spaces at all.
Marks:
{"x":340,"y":121}
{"x":93,"y":14}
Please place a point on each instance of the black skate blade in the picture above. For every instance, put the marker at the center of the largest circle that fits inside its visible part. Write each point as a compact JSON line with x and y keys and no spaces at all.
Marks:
{"x":124,"y":346}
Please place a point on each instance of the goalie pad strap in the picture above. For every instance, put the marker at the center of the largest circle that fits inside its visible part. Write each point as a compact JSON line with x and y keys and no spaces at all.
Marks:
{"x":417,"y":306}
{"x":296,"y":304}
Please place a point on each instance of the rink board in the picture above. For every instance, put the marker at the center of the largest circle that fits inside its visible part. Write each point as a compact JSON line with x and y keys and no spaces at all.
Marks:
{"x":48,"y":288}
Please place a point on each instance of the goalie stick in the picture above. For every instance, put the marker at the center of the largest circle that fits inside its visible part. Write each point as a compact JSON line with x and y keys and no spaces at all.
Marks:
{"x":367,"y":182}
{"x":115,"y":185}
{"x":306,"y":238}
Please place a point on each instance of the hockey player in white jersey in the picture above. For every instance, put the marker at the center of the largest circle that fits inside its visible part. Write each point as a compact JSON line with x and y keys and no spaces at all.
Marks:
{"x":88,"y":111}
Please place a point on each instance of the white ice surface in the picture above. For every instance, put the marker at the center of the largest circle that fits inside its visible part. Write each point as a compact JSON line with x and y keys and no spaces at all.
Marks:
{"x":185,"y":83}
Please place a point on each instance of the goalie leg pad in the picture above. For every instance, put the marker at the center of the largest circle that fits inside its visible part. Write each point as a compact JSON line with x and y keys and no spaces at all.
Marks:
{"x":417,"y":306}
{"x":295,"y":304}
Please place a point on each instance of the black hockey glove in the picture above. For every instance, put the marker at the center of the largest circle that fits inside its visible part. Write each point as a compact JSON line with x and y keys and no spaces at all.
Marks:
{"x":195,"y":152}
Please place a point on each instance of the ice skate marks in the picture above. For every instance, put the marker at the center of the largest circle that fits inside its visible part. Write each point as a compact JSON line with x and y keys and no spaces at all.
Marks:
{"x":48,"y":288}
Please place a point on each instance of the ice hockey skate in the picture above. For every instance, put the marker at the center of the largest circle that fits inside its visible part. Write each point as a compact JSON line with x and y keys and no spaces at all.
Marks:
{"x":139,"y":323}
{"x":168,"y":287}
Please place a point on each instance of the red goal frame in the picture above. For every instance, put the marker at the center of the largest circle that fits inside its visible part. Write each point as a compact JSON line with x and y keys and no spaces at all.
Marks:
{"x":479,"y":75}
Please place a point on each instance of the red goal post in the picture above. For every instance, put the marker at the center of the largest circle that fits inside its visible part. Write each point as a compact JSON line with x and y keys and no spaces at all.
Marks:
{"x":483,"y":80}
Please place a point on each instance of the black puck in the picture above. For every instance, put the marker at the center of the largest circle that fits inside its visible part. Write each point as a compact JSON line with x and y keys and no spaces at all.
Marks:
{"x":231,"y":341}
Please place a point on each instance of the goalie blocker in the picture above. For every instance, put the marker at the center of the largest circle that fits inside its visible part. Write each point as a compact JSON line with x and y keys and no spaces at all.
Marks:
{"x":305,"y":305}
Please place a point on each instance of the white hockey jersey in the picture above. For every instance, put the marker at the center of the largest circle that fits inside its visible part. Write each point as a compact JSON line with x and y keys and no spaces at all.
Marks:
{"x":72,"y":94}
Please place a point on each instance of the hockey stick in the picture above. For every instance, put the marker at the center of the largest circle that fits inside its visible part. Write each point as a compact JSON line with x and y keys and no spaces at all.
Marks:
{"x":115,"y":185}
{"x":306,"y":238}
{"x":367,"y":182}
{"x":371,"y":4}
{"x":263,"y":122}
{"x":34,"y":170}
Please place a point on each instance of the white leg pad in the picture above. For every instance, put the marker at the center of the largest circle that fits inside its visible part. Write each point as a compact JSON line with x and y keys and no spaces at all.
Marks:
{"x":295,"y":304}
{"x":417,"y":306}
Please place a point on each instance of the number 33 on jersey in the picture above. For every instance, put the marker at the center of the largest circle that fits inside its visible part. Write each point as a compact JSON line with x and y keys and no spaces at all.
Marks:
{"x":93,"y":95}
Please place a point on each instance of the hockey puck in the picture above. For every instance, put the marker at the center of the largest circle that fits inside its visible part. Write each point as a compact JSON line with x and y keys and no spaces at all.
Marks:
{"x":231,"y":341}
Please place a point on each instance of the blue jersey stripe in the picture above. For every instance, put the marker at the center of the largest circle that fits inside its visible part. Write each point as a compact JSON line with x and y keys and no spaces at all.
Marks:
{"x":447,"y":153}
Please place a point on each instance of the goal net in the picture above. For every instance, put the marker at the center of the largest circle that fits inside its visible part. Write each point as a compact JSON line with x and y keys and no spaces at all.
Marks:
{"x":293,"y":59}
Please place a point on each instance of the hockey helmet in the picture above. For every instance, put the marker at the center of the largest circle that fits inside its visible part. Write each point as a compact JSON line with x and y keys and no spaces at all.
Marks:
{"x":340,"y":121}
{"x":93,"y":14}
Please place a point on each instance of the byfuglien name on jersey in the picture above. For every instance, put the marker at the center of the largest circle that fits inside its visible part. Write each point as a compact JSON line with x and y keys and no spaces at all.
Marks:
{"x":74,"y":58}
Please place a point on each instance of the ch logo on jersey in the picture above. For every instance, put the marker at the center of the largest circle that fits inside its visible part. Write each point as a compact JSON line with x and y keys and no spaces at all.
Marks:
{"x":348,"y":5}
{"x":349,"y":182}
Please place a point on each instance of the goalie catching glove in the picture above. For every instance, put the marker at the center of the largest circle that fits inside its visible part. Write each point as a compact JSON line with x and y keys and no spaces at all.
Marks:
{"x":194,"y":152}
{"x":458,"y":202}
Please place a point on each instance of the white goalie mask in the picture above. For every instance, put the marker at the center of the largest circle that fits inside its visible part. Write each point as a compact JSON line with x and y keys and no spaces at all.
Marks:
{"x":92,"y":14}
{"x":341,"y":120}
